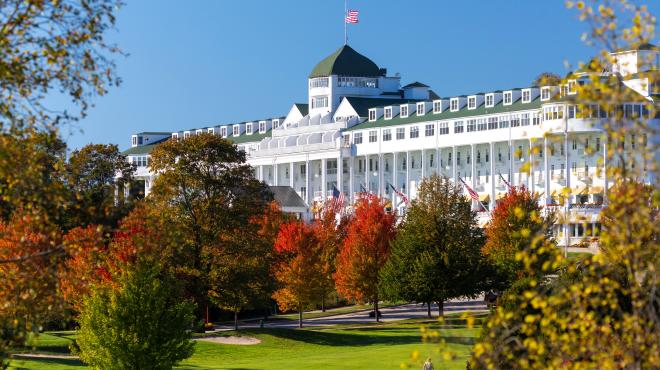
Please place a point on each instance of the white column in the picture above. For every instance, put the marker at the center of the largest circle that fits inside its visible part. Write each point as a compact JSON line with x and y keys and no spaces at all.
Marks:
{"x":546,"y":175}
{"x":511,"y":161}
{"x":367,"y":174}
{"x":492,"y":175}
{"x":473,"y":174}
{"x":381,"y":173}
{"x":340,"y":174}
{"x":567,"y":201}
{"x":351,"y":179}
{"x":261,"y":173}
{"x":395,"y":179}
{"x":453,"y":164}
{"x":605,"y":180}
{"x":408,"y":174}
{"x":423,"y":164}
{"x":568,"y":162}
{"x":276,"y":176}
{"x":530,"y":183}
{"x":324,"y":179}
{"x":437,"y":161}
{"x":308,"y":183}
{"x":291,"y":177}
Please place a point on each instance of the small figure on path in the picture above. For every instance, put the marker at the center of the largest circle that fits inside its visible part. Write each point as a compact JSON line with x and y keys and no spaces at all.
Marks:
{"x":428,"y":365}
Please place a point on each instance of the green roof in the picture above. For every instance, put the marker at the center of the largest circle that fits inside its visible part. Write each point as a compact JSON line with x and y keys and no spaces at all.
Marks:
{"x":362,"y":105}
{"x":244,"y":138}
{"x":518,"y":105}
{"x":143,"y":149}
{"x":346,"y":62}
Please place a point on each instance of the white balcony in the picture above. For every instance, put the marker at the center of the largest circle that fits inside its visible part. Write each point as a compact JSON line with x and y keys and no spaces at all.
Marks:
{"x":293,"y":149}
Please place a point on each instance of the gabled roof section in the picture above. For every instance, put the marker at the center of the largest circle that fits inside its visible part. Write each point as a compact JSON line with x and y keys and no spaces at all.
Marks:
{"x":302,"y":108}
{"x":144,"y":149}
{"x":345,"y":61}
{"x":362,"y":105}
{"x":286,"y":197}
{"x":415,"y":84}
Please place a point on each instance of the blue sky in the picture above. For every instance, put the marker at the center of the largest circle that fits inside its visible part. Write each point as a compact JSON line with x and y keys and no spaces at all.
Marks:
{"x":197,"y":63}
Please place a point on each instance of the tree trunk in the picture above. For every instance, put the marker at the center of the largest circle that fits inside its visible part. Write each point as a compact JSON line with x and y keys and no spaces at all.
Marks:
{"x":441,"y":309}
{"x":428,"y":309}
{"x":235,"y":319}
{"x":300,"y":316}
{"x":376,"y":310}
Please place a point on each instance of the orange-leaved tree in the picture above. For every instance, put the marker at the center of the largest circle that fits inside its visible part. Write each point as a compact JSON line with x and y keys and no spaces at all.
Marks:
{"x":365,"y":250}
{"x":296,"y":267}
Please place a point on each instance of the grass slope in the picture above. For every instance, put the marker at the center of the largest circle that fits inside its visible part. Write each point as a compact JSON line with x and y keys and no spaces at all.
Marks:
{"x":374,"y":347}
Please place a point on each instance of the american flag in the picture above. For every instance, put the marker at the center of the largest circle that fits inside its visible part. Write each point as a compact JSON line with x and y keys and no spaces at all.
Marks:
{"x":506,"y":182}
{"x":404,"y":198}
{"x":352,"y":16}
{"x":338,"y":199}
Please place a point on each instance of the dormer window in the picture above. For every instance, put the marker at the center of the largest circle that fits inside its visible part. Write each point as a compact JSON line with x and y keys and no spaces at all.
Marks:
{"x":276,"y":123}
{"x":262,"y":127}
{"x":507,"y":98}
{"x":372,"y":114}
{"x":134,"y":142}
{"x":490,"y":100}
{"x":186,"y":135}
{"x":223,"y":131}
{"x":526,"y":96}
{"x":209,"y":130}
{"x":236,"y":131}
{"x":175,"y":136}
{"x":199,"y":132}
{"x":404,"y":111}
{"x":248,"y":129}
{"x":571,"y":86}
{"x":388,"y":113}
{"x":545,"y":93}
{"x":437,"y":106}
{"x":472,"y":102}
{"x":453,"y":104}
{"x":421,"y":109}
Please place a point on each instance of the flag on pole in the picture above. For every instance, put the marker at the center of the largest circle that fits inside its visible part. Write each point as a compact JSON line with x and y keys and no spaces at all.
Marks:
{"x":352,"y":16}
{"x":400,"y":194}
{"x":473,"y":194}
{"x":338,"y":199}
{"x":505,"y":182}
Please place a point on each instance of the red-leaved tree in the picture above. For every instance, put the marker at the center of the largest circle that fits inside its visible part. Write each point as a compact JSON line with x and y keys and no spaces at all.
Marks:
{"x":297,"y":267}
{"x":365,"y":251}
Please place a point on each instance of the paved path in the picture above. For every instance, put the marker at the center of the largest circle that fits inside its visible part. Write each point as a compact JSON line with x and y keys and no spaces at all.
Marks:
{"x":394,"y":313}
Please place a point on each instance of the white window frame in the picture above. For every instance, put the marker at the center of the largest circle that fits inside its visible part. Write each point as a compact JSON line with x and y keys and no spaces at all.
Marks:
{"x":186,"y":134}
{"x":235,"y":131}
{"x":507,"y":98}
{"x":248,"y":128}
{"x":373,"y":136}
{"x":372,"y":115}
{"x":414,"y":132}
{"x":421,"y":109}
{"x":526,"y":95}
{"x":437,"y":106}
{"x":443,"y":128}
{"x":490,"y":100}
{"x":223,"y":131}
{"x":199,"y":131}
{"x":357,"y":138}
{"x":453,"y":105}
{"x":210,"y":130}
{"x":571,"y":87}
{"x":262,"y":127}
{"x":472,"y":102}
{"x":387,"y":135}
{"x":175,"y":135}
{"x":545,"y":93}
{"x":429,"y":129}
{"x":134,"y":140}
{"x":400,"y":133}
{"x":404,"y":111}
{"x":388,"y":113}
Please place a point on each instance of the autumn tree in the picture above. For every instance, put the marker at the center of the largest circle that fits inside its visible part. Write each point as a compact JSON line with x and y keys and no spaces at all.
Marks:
{"x":84,"y":263}
{"x":547,"y":79}
{"x":436,"y":255}
{"x":364,"y":251}
{"x":90,"y":177}
{"x":297,"y":267}
{"x":516,"y":222}
{"x":207,"y":191}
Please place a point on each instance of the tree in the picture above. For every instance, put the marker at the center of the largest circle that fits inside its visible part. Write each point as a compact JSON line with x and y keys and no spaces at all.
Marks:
{"x":206,"y":191}
{"x":90,"y":176}
{"x":297,"y":267}
{"x":516,"y":222}
{"x":365,"y":251}
{"x":547,"y":79}
{"x":140,"y":324}
{"x":436,"y":255}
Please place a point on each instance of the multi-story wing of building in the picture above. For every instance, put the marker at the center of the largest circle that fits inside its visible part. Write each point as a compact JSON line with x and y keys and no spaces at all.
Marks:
{"x":360,"y":131}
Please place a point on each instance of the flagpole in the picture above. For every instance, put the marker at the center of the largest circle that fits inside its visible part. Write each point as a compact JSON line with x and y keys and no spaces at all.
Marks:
{"x":345,"y":28}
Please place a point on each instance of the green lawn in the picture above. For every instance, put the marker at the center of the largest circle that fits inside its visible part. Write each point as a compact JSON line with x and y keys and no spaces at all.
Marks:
{"x":383,"y":346}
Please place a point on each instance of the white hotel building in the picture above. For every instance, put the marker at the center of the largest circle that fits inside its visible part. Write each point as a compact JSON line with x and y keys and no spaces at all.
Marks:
{"x":361,"y":130}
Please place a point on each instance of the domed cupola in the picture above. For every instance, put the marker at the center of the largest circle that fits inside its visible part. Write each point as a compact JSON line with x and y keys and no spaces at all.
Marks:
{"x":347,"y":62}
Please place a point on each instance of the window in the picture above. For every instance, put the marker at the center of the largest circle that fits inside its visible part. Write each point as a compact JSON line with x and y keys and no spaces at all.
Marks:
{"x":507,"y":98}
{"x":515,"y":120}
{"x":574,"y":144}
{"x":175,"y":135}
{"x":437,"y":106}
{"x":431,"y":160}
{"x":262,"y":127}
{"x":545,"y":93}
{"x":478,"y":157}
{"x":276,"y":123}
{"x":400,"y":133}
{"x":490,"y":100}
{"x":429,"y":130}
{"x":414,"y":132}
{"x":492,"y":123}
{"x":471,"y":125}
{"x":357,"y":138}
{"x":248,"y":129}
{"x":443,"y":128}
{"x":318,"y":82}
{"x":387,"y":135}
{"x":524,"y":119}
{"x":372,"y":114}
{"x":186,"y":135}
{"x":373,"y":136}
{"x":504,"y":122}
{"x":421,"y":109}
{"x":453,"y":105}
{"x":481,"y":124}
{"x":357,"y":82}
{"x":520,"y":152}
{"x":404,"y":111}
{"x":526,"y":96}
{"x":141,"y":161}
{"x":388,"y":113}
{"x":458,"y":127}
{"x":571,"y":87}
{"x":536,"y":119}
{"x":346,"y":140}
{"x":404,"y":163}
{"x":319,"y":102}
{"x":458,"y":158}
{"x":472,"y":102}
{"x":134,"y":140}
{"x":237,"y":131}
{"x":223,"y":131}
{"x":597,"y":147}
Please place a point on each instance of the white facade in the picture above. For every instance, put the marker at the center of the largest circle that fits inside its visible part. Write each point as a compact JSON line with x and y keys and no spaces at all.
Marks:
{"x":371,"y":133}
